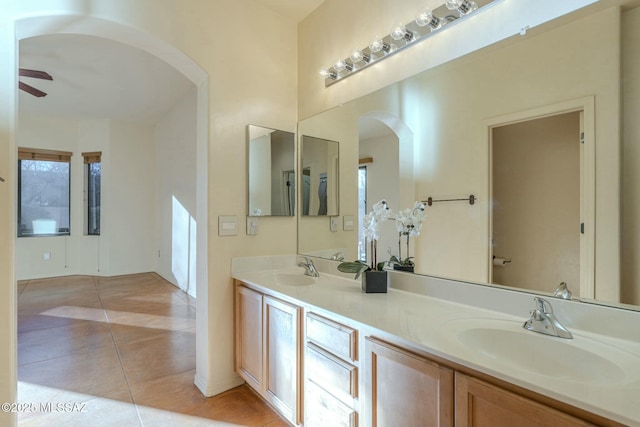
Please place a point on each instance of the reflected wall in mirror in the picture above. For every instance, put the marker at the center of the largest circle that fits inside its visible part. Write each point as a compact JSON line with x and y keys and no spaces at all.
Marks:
{"x":319,"y":180}
{"x":272,"y":174}
{"x":447,"y":113}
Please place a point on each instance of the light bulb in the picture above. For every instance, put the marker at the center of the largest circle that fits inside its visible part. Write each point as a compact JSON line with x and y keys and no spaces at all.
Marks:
{"x":453,"y":4}
{"x":398,"y":32}
{"x":424,"y":17}
{"x":328,"y":74}
{"x":376,"y":45}
{"x":358,"y":56}
{"x":464,"y":7}
{"x":339,"y":66}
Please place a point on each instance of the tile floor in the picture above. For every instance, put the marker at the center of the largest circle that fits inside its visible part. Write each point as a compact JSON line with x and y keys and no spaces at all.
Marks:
{"x":117,"y":351}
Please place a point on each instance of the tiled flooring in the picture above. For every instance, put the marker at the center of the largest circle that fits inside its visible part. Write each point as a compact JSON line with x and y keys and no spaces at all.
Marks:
{"x":117,"y":351}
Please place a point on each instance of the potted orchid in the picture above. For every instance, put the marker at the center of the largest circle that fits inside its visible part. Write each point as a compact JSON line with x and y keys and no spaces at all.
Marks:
{"x":408,"y":224}
{"x":374,"y":277}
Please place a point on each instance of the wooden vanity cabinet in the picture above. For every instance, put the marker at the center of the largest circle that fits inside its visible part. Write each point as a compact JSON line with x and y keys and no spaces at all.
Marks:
{"x":268,"y":349}
{"x":331,"y":372}
{"x":480,"y":404}
{"x":283,"y":357}
{"x":404,"y":389}
{"x":390,"y":387}
{"x":249,"y":336}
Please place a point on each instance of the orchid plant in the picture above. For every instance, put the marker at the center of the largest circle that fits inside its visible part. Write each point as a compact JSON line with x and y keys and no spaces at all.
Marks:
{"x":408,"y":224}
{"x":371,"y":230}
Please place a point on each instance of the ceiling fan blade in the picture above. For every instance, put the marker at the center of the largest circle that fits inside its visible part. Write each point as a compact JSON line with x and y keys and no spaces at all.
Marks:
{"x":36,"y":74}
{"x":32,"y":90}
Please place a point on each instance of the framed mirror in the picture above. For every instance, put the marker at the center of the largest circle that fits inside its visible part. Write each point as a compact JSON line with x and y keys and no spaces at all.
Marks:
{"x":447,"y":116}
{"x":319,"y":180}
{"x":272,"y":172}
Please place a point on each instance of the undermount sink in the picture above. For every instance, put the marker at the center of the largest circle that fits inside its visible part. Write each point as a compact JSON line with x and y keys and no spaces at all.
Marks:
{"x":580,"y":359}
{"x":294,"y":279}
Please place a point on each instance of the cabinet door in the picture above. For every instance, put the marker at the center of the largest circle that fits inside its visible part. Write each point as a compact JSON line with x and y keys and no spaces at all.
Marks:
{"x":403,"y":389}
{"x":481,"y":404}
{"x":283,"y":356}
{"x":248,"y":342}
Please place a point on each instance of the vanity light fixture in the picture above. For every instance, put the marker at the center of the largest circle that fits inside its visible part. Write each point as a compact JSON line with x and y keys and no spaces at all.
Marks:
{"x":464,"y":7}
{"x":400,"y":32}
{"x":426,"y":18}
{"x":426,"y":23}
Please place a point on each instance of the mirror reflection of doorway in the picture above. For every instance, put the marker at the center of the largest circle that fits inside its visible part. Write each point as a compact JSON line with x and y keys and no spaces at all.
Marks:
{"x":379,"y":155}
{"x":535,"y":184}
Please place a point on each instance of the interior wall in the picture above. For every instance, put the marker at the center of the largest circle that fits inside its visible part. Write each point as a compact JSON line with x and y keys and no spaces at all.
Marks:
{"x":631,"y":150}
{"x":175,"y":197}
{"x":132,"y":192}
{"x":536,"y":203}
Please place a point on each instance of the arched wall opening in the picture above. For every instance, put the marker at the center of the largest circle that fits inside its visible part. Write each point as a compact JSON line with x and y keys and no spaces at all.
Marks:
{"x":70,"y":23}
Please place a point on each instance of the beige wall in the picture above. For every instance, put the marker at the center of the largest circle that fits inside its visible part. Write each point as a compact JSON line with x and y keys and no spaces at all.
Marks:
{"x":631,"y":150}
{"x":175,"y":194}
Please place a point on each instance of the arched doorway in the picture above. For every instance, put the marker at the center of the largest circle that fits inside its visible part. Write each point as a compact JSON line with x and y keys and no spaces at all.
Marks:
{"x":34,"y":26}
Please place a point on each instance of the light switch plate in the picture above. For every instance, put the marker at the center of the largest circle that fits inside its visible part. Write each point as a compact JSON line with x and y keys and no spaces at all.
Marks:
{"x":252,"y":225}
{"x":227,"y":225}
{"x":334,"y":223}
{"x":348,"y":223}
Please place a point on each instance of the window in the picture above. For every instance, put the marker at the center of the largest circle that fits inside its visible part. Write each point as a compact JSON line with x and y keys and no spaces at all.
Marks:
{"x":362,"y":211}
{"x":44,"y":180}
{"x":93,"y":175}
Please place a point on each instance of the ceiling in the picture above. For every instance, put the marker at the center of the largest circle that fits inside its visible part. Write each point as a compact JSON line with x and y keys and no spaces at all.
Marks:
{"x":95,"y":77}
{"x":293,"y":9}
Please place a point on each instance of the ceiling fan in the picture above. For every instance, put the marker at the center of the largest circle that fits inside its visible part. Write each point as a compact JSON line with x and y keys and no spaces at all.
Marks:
{"x":23,"y":72}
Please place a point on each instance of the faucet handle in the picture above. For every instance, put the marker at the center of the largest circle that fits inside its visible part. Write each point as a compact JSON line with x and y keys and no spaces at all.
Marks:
{"x":562,"y":291}
{"x":543,"y":306}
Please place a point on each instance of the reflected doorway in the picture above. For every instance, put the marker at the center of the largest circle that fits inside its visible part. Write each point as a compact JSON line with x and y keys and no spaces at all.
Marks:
{"x":536,"y":193}
{"x":379,"y":158}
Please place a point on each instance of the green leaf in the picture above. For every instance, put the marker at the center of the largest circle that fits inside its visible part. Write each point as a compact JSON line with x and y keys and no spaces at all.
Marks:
{"x":356,"y":267}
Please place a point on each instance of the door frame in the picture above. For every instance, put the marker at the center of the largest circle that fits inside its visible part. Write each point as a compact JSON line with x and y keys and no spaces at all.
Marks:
{"x":586,"y":106}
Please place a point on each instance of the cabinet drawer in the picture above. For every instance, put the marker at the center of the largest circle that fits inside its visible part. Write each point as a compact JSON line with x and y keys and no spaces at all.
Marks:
{"x":334,"y":375}
{"x":333,"y":337}
{"x":322,"y":409}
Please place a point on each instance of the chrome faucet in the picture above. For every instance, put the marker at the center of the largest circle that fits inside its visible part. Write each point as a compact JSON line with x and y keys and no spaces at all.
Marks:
{"x":543,"y":321}
{"x":562,"y":291}
{"x":337,"y":257}
{"x":309,"y":268}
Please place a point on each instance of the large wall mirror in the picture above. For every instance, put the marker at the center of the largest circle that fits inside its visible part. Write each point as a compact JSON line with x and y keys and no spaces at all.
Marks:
{"x":532,"y":127}
{"x":272,"y":172}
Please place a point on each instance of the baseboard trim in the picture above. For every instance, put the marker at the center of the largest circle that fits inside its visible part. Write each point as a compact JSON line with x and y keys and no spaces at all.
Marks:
{"x":213,"y":390}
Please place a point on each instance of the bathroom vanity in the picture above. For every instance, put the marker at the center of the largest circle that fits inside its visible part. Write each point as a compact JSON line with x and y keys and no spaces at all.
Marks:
{"x":324,"y":353}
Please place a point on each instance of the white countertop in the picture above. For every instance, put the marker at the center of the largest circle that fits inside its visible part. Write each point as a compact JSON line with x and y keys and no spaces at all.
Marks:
{"x":434,"y":324}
